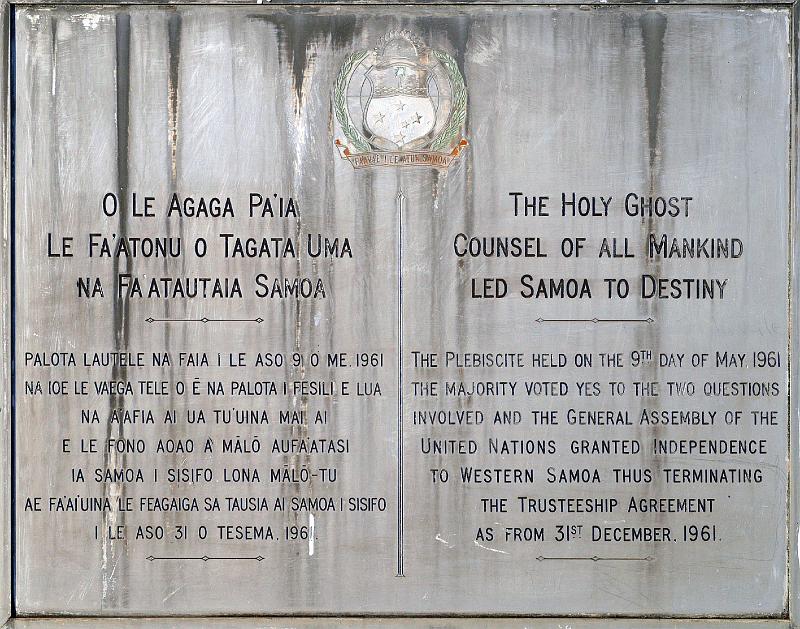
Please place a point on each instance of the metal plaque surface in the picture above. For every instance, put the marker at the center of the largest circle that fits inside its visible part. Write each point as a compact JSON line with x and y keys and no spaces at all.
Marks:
{"x":425,"y":310}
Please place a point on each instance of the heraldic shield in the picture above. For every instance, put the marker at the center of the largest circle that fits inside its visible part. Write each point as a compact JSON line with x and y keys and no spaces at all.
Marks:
{"x":400,"y":110}
{"x":400,"y":104}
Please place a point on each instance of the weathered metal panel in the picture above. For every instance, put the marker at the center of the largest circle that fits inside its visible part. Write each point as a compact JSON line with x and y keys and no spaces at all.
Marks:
{"x":221,"y":101}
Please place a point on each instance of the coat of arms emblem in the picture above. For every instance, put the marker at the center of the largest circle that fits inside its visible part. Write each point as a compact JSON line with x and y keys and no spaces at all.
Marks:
{"x":400,"y":104}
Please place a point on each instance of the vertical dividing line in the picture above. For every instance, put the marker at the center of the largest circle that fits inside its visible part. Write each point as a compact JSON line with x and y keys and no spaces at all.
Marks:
{"x":400,"y":207}
{"x":792,"y":511}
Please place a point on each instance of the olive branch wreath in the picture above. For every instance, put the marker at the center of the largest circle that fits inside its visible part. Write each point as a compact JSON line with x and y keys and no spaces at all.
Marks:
{"x":459,"y":113}
{"x":445,"y":137}
{"x":340,"y":104}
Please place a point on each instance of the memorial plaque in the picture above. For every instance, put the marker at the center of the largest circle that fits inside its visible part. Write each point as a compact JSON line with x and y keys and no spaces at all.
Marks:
{"x":403,"y":310}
